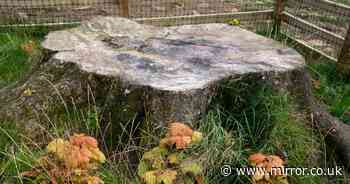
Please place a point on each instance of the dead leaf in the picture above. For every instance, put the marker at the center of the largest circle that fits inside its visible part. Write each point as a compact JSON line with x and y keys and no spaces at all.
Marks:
{"x":196,"y":137}
{"x":28,"y":92}
{"x":164,"y":143}
{"x":94,"y":180}
{"x":199,"y":179}
{"x":97,"y":155}
{"x":167,"y":177}
{"x":173,"y":158}
{"x":28,"y":47}
{"x":29,"y":174}
{"x":150,"y":177}
{"x":316,"y":84}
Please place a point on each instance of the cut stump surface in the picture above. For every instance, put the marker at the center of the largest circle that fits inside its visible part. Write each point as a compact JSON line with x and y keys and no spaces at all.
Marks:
{"x":175,"y":59}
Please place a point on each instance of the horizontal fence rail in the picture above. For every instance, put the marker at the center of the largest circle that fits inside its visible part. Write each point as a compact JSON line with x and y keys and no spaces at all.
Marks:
{"x":326,"y":14}
{"x":211,"y":18}
{"x":329,"y":6}
{"x":309,"y":27}
{"x":320,"y":24}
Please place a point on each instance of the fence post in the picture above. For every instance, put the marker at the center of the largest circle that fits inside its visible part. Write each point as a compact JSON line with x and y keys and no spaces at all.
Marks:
{"x":124,"y":6}
{"x":278,"y":13}
{"x":343,"y":64}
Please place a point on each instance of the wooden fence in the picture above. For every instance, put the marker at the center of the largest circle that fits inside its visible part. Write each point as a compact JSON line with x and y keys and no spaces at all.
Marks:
{"x":325,"y":31}
{"x":335,"y":41}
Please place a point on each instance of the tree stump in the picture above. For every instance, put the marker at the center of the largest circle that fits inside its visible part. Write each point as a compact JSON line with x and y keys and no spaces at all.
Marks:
{"x":165,"y":74}
{"x":169,"y":73}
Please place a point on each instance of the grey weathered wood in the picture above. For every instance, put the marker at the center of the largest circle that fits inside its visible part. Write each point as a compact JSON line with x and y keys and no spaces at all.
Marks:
{"x":314,"y":29}
{"x":344,"y":56}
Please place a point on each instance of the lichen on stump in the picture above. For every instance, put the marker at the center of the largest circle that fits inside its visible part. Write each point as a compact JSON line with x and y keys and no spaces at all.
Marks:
{"x":168,"y":73}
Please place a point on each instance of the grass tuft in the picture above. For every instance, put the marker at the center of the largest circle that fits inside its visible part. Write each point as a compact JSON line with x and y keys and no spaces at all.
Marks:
{"x":332,"y":89}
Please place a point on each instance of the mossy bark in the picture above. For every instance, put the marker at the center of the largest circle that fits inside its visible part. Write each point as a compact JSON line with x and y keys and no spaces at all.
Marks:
{"x":336,"y":131}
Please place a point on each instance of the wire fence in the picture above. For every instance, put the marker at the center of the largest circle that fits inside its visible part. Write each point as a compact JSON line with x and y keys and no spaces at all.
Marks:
{"x":26,"y":12}
{"x":169,"y":8}
{"x":320,"y":24}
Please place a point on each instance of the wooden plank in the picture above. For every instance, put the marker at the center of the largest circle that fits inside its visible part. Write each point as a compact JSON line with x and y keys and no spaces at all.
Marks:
{"x":278,"y":13}
{"x":344,"y":56}
{"x":309,"y":27}
{"x":57,"y":24}
{"x":311,"y":50}
{"x":124,"y":6}
{"x":209,"y":18}
{"x":279,"y":8}
{"x":329,"y":6}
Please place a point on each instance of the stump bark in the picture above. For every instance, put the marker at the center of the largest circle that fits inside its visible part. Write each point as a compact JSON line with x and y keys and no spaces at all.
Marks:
{"x":334,"y":130}
{"x":168,"y":73}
